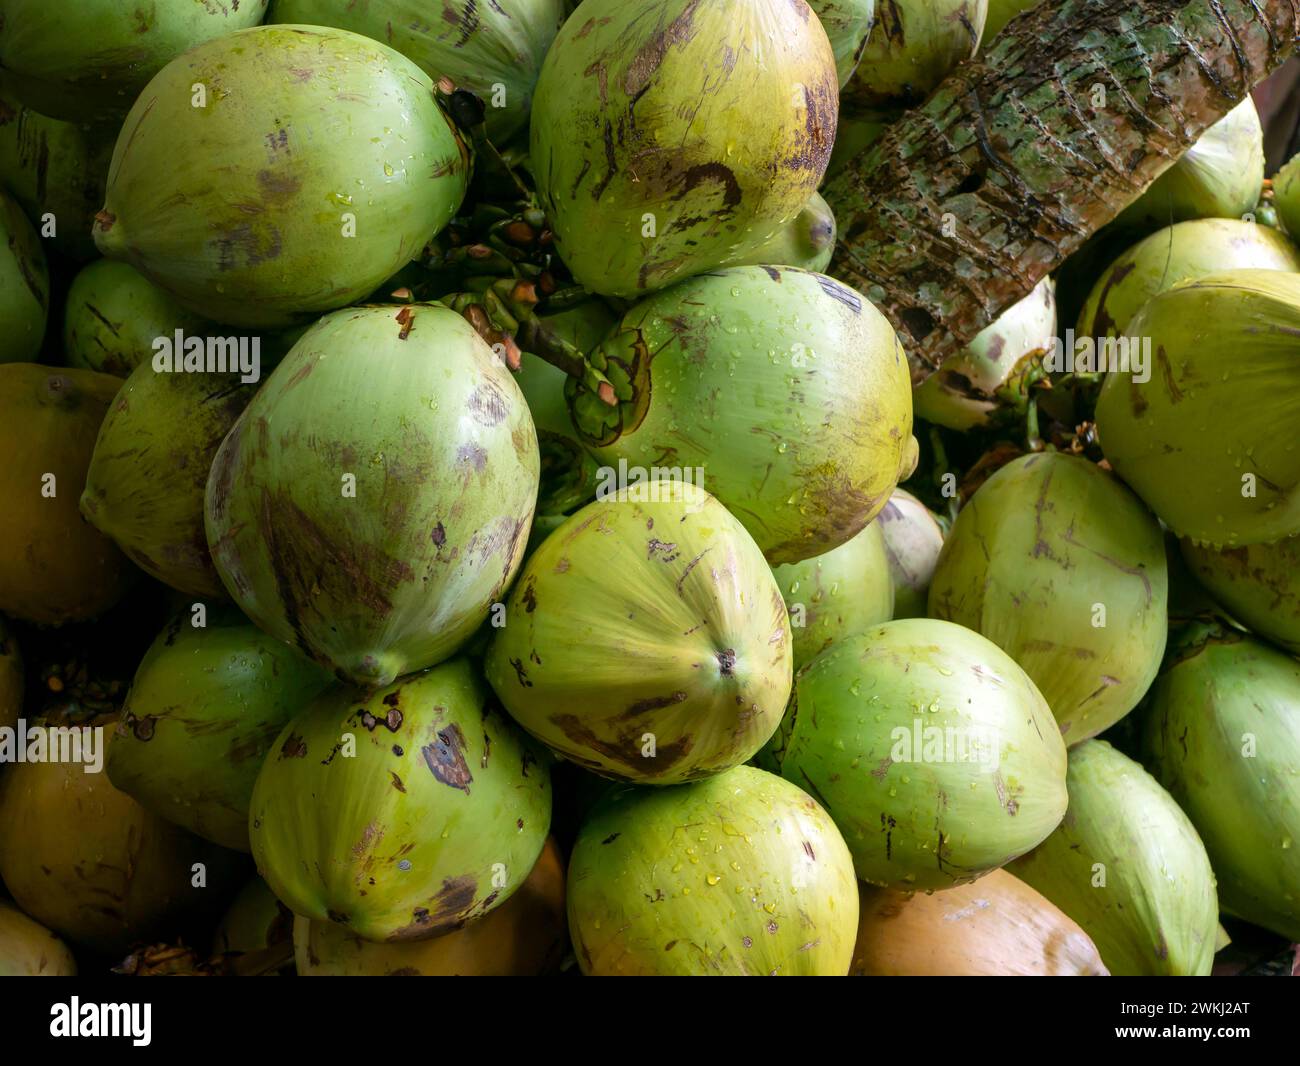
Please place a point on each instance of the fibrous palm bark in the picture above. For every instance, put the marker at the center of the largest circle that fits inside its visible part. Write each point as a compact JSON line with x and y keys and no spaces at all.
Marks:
{"x":1021,"y":154}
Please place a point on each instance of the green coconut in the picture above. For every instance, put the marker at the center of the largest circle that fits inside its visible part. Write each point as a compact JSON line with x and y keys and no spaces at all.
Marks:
{"x":1208,"y":439}
{"x":646,"y":639}
{"x":1258,"y":583}
{"x":1286,"y":196}
{"x":742,"y":875}
{"x":54,"y":567}
{"x":1223,"y":737}
{"x":204,"y":708}
{"x":524,"y":937}
{"x":1063,"y":568}
{"x":400,"y":814}
{"x":493,"y":50}
{"x":789,"y":391}
{"x":989,"y":379}
{"x":1000,"y":13}
{"x":1218,"y":177}
{"x":847,"y":590}
{"x":28,"y":949}
{"x":87,"y":62}
{"x":255,"y":921}
{"x":1128,"y":866}
{"x":11,"y":677}
{"x":337,"y":166}
{"x":847,"y":24}
{"x":114,"y":315}
{"x":391,"y":505}
{"x":90,"y":863}
{"x":24,"y":285}
{"x":932,"y":750}
{"x":1187,"y":251}
{"x":912,"y":47}
{"x":145,"y":484}
{"x":807,"y":241}
{"x":116,"y":319}
{"x":913,"y":541}
{"x":55,"y":170}
{"x":568,"y":472}
{"x":669,"y":136}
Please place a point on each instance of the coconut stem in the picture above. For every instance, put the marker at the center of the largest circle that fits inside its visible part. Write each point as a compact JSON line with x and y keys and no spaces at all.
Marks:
{"x":536,"y":337}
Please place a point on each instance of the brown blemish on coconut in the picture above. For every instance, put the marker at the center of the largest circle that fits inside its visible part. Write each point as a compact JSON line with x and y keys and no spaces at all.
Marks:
{"x":446,"y":758}
{"x":448,"y":910}
{"x":521,"y":675}
{"x":140,"y":728}
{"x":294,"y":747}
{"x":625,"y":750}
{"x":487,"y":405}
{"x":653,"y":703}
{"x":1103,"y":325}
{"x":310,"y":567}
{"x":1167,"y":376}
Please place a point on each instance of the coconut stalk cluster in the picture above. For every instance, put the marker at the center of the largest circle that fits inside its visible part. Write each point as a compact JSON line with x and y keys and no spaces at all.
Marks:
{"x":458,"y":523}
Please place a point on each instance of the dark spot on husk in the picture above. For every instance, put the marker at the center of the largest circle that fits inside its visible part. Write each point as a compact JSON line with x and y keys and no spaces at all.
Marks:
{"x":473,"y":455}
{"x":250,"y":748}
{"x":438,"y":536}
{"x":1167,"y":374}
{"x":666,"y":552}
{"x":450,"y":908}
{"x":173,"y":631}
{"x":446,"y":758}
{"x":140,"y":728}
{"x":653,"y":703}
{"x":294,"y":747}
{"x":277,"y":188}
{"x":1103,"y":325}
{"x":611,"y":838}
{"x":521,"y":675}
{"x":626,"y":750}
{"x":311,"y":566}
{"x":887,"y":824}
{"x":246,"y":245}
{"x":711,"y":174}
{"x":487,"y":405}
{"x":392,"y":721}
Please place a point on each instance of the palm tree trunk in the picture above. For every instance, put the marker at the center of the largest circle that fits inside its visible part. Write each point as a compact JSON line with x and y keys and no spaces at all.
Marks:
{"x":1024,"y":152}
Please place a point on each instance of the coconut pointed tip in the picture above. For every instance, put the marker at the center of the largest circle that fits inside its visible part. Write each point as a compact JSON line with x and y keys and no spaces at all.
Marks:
{"x":110,"y":238}
{"x":372,"y":670}
{"x":910,"y":458}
